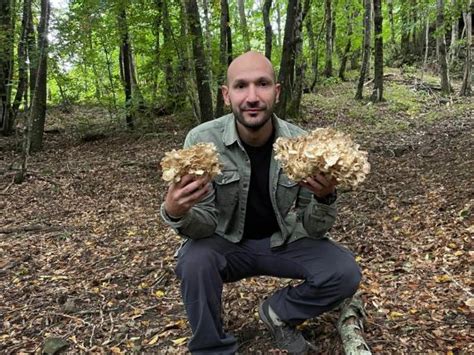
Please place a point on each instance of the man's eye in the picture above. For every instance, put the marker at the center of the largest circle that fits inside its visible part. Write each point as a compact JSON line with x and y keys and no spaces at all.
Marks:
{"x":263,"y":83}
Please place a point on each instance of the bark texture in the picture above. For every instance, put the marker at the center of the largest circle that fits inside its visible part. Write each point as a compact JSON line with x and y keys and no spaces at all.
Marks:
{"x":377,"y":93}
{"x":38,"y":103}
{"x":442,"y":57}
{"x":366,"y":51}
{"x":200,"y":63}
{"x":466,"y":88}
{"x":267,"y":5}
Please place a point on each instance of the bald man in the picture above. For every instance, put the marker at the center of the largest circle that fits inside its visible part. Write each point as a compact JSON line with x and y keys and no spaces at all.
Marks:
{"x":253,"y":220}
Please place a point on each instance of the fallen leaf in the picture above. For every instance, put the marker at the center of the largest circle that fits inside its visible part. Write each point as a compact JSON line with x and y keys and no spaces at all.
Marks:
{"x":180,"y":341}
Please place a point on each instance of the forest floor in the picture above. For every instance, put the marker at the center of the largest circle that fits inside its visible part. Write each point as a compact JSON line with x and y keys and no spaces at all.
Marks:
{"x":87,"y":265}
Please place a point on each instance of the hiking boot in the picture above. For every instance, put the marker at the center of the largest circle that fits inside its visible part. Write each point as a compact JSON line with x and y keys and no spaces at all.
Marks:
{"x":285,"y":336}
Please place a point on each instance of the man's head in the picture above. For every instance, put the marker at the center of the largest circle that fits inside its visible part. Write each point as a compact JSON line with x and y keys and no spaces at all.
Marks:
{"x":251,"y":89}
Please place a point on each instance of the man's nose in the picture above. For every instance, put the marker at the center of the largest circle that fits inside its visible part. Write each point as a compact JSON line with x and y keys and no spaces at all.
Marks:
{"x":252,"y":94}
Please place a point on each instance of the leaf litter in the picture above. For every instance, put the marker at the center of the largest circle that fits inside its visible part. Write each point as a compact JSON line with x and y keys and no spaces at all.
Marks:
{"x":96,"y":271}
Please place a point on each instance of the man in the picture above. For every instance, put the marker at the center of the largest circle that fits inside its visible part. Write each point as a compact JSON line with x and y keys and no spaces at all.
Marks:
{"x":252,"y":220}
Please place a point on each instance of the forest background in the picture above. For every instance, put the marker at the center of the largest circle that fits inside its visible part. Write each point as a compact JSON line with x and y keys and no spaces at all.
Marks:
{"x":92,"y":93}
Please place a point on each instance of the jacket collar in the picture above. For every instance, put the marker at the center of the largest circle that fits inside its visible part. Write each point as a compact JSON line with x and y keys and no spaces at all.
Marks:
{"x":230,"y":135}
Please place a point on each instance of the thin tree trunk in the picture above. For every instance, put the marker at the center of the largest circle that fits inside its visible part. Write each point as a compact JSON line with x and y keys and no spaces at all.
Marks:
{"x":173,"y":95}
{"x":7,"y":23}
{"x":109,"y":72}
{"x":126,"y":68}
{"x":223,"y":55}
{"x":366,"y":52}
{"x":443,"y":60}
{"x":32,"y":55}
{"x":466,"y":89}
{"x":300,"y":68}
{"x":287,"y":66}
{"x":267,"y":5}
{"x":38,"y":103}
{"x":347,"y":49}
{"x":207,"y":33}
{"x":329,"y":38}
{"x":377,"y":93}
{"x":22,"y":60}
{"x":405,"y":35}
{"x":454,"y":36}
{"x":392,"y":24}
{"x":243,"y":25}
{"x":312,"y":48}
{"x":427,"y":42}
{"x":200,"y":63}
{"x":278,"y":23}
{"x":157,"y":54}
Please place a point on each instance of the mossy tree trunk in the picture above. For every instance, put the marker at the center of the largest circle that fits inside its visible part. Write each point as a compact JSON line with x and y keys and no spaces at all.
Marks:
{"x":366,"y":50}
{"x":38,"y":102}
{"x":442,"y":57}
{"x":225,"y":55}
{"x":377,"y":93}
{"x":267,"y":5}
{"x":466,"y":89}
{"x":200,"y":63}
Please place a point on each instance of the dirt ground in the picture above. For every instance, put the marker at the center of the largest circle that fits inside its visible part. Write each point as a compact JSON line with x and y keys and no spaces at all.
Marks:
{"x":84,"y":256}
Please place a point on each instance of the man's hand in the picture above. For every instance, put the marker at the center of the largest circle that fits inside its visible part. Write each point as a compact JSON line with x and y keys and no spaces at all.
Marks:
{"x":320,"y":185}
{"x":182,"y":196}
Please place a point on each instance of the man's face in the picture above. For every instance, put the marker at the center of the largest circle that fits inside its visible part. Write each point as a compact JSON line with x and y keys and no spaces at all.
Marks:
{"x":251,"y":91}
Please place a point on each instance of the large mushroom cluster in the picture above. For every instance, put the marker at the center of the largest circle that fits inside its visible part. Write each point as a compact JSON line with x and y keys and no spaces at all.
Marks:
{"x":200,"y":159}
{"x":324,"y":150}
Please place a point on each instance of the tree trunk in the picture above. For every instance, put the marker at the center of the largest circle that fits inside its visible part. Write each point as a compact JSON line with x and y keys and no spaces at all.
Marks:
{"x":312,"y":48}
{"x":377,"y":93}
{"x":38,"y":102}
{"x":243,"y":25}
{"x":32,"y":55}
{"x":347,"y":49}
{"x":108,"y":61}
{"x":22,"y":60}
{"x":366,"y":52}
{"x":278,"y":23}
{"x":200,"y":64}
{"x":300,"y":67}
{"x":223,"y":55}
{"x":329,"y":38}
{"x":454,"y":36}
{"x":7,"y":31}
{"x":125,"y":67}
{"x":267,"y":5}
{"x":392,"y":25}
{"x":288,"y":57}
{"x":443,"y":60}
{"x":466,"y":89}
{"x":350,"y":327}
{"x":427,"y":42}
{"x":405,"y":34}
{"x":173,"y":96}
{"x":207,"y":33}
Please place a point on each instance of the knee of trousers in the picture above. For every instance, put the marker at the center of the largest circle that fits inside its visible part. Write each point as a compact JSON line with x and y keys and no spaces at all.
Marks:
{"x":197,"y":263}
{"x":349,"y":276}
{"x":342,"y":281}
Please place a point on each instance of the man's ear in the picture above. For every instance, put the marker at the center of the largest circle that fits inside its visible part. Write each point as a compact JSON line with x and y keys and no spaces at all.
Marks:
{"x":277,"y":92}
{"x":225,"y":94}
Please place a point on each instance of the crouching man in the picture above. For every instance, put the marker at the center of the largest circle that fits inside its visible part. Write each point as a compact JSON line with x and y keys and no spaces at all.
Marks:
{"x":252,"y":220}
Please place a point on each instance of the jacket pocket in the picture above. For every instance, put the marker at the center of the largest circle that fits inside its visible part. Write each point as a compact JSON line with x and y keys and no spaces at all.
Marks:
{"x":226,"y":186}
{"x":287,"y":192}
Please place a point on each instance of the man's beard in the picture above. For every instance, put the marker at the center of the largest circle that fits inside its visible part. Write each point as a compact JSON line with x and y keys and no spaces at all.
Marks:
{"x":254,"y":126}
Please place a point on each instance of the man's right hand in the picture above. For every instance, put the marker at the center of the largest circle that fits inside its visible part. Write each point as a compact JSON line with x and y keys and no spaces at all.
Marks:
{"x":183,"y":195}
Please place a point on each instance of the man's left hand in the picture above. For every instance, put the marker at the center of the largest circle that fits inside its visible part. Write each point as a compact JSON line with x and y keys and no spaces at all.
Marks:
{"x":320,"y":185}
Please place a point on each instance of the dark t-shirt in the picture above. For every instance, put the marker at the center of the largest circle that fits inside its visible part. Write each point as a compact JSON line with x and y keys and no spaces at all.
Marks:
{"x":260,"y":220}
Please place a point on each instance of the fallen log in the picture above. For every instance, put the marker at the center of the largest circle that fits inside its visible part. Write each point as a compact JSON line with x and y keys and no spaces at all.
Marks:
{"x":350,"y":327}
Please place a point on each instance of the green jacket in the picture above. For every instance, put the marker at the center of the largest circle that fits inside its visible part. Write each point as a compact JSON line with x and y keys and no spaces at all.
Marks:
{"x":222,"y":211}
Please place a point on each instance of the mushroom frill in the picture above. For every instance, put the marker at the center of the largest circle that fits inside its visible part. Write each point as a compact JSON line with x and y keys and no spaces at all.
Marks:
{"x":199,"y":159}
{"x":324,"y":150}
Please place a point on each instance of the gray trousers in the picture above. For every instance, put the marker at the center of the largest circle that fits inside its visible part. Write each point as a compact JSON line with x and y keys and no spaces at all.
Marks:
{"x":329,"y":271}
